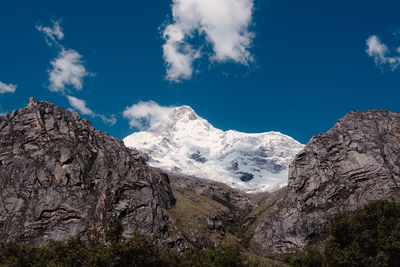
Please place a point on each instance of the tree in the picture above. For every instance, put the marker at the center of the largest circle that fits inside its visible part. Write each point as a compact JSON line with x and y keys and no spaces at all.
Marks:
{"x":368,"y":237}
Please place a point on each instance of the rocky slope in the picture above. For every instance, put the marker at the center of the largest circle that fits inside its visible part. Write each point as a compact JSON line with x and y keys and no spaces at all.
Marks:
{"x":60,"y":177}
{"x":184,"y":142}
{"x":206,"y":211}
{"x":355,"y":162}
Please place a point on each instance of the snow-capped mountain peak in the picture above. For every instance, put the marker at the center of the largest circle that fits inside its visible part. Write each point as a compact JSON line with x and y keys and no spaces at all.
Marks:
{"x":181,"y":119}
{"x":184,"y":142}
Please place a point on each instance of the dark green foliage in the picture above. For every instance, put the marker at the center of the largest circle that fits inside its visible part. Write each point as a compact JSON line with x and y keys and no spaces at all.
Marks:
{"x":228,"y":254}
{"x":311,"y":257}
{"x":73,"y":252}
{"x":137,"y":251}
{"x":368,"y":237}
{"x":114,"y":234}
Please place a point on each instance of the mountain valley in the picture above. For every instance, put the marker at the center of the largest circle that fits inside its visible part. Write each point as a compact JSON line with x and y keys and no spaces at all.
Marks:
{"x":59,"y":178}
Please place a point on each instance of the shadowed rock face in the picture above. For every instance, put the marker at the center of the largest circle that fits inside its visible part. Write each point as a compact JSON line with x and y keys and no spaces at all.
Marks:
{"x":60,"y":177}
{"x":356,"y":162}
{"x":206,"y":211}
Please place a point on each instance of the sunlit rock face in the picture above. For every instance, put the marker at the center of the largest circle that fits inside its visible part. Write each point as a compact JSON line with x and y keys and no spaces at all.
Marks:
{"x":59,"y":177}
{"x":354,"y":163}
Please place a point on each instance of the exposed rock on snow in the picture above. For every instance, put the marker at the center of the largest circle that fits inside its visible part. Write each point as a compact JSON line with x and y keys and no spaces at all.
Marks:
{"x":185,"y":143}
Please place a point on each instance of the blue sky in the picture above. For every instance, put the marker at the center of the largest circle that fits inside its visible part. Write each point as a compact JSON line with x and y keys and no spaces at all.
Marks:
{"x":289,"y":66}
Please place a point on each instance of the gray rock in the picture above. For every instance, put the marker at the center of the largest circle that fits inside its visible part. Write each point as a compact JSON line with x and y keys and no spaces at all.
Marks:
{"x":245,"y":176}
{"x":206,"y":211}
{"x":235,"y":199}
{"x":355,"y":162}
{"x":198,"y":157}
{"x":60,"y":177}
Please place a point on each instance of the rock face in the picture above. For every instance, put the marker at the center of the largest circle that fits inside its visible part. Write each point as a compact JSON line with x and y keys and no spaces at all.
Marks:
{"x":207,"y":211}
{"x":355,"y":162}
{"x":60,"y":177}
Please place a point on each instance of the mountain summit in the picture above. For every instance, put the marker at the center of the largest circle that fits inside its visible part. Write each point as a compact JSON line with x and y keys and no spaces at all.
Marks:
{"x":185,"y":143}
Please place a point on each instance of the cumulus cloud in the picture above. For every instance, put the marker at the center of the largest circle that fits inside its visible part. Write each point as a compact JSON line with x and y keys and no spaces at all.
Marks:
{"x":143,"y":115}
{"x":178,"y":55}
{"x":224,"y":24}
{"x":52,"y":34}
{"x":380,"y":53}
{"x":80,"y":105}
{"x":7,"y":88}
{"x":68,"y":72}
{"x":67,"y":69}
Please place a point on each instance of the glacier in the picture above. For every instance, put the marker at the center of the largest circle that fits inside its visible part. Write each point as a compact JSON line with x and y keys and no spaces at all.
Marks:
{"x":183,"y":142}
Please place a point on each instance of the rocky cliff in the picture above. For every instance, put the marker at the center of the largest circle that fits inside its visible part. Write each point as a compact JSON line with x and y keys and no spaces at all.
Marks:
{"x":60,"y":177}
{"x":355,"y":162}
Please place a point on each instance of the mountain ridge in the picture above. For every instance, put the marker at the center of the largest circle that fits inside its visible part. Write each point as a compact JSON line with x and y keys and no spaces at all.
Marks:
{"x":355,"y":162}
{"x":59,"y":177}
{"x":183,"y":142}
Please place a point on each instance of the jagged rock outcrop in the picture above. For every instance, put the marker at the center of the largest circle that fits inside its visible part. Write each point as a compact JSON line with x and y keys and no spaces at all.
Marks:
{"x":60,"y":177}
{"x":355,"y":162}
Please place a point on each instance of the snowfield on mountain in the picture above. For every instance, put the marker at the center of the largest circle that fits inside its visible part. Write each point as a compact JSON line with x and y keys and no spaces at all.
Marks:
{"x":183,"y":142}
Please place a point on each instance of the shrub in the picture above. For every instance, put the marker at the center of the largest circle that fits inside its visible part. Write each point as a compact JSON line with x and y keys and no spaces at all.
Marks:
{"x":368,"y":237}
{"x":311,"y":257}
{"x":136,"y":251}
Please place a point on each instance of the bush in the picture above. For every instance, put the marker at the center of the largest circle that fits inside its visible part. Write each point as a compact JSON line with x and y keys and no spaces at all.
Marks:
{"x":229,"y":254}
{"x":368,"y":237}
{"x":311,"y":257}
{"x":136,"y":251}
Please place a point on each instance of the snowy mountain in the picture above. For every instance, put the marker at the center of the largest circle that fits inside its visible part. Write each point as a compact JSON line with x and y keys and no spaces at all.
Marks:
{"x":185,"y":143}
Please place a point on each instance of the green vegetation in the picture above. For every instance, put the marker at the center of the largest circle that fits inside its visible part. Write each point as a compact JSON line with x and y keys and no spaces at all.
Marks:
{"x":188,"y":208}
{"x":368,"y":237}
{"x":137,"y":251}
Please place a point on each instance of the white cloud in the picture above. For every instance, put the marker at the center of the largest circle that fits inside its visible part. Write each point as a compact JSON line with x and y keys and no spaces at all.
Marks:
{"x":111,"y":120}
{"x":379,"y":51}
{"x":53,"y":34}
{"x":7,"y":88}
{"x":68,"y":72}
{"x":223,"y":23}
{"x":67,"y":69}
{"x":178,"y":55}
{"x":80,"y":105}
{"x":143,"y":115}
